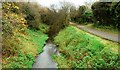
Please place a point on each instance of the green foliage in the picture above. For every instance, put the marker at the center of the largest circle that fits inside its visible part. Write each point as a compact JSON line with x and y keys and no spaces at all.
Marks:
{"x":81,"y":10}
{"x":32,"y":13}
{"x":82,"y":50}
{"x":20,"y":44}
{"x":101,"y":14}
{"x":38,"y":38}
{"x":44,"y":28}
{"x":20,"y":61}
{"x":106,"y":13}
{"x":83,"y":15}
{"x":12,"y":23}
{"x":26,"y":49}
{"x":115,"y":9}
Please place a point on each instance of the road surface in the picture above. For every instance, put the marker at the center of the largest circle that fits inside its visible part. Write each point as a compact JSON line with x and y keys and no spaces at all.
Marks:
{"x":105,"y":35}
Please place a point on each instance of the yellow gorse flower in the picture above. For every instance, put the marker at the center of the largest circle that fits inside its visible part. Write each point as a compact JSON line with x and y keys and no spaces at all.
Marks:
{"x":16,"y":7}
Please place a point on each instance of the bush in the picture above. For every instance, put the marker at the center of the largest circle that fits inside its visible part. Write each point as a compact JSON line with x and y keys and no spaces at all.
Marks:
{"x":83,"y":15}
{"x":57,"y":20}
{"x":115,"y":9}
{"x":12,"y":23}
{"x":20,"y":45}
{"x":32,"y":13}
{"x":106,"y":13}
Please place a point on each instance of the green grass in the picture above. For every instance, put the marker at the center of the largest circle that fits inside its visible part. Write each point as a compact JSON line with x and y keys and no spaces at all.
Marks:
{"x":82,"y":50}
{"x":30,"y":45}
{"x":43,"y":27}
{"x":38,"y":38}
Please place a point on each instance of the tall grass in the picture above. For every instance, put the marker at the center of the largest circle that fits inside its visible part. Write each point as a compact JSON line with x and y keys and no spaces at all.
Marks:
{"x":28,"y":47}
{"x":82,"y":50}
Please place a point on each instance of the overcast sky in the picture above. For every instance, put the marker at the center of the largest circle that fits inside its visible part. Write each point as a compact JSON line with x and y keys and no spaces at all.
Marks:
{"x":75,"y":2}
{"x":47,"y":3}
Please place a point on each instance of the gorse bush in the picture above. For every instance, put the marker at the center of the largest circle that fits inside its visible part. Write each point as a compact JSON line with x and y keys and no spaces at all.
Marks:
{"x":20,"y":45}
{"x":82,"y":50}
{"x":12,"y":23}
{"x":10,"y":7}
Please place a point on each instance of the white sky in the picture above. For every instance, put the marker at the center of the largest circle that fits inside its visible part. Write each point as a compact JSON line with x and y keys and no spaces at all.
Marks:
{"x":48,"y":3}
{"x":75,"y":2}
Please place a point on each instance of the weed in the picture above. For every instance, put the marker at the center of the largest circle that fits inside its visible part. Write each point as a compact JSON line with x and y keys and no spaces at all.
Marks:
{"x":82,"y":50}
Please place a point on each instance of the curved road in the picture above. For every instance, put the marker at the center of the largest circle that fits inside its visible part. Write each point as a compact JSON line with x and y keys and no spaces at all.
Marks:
{"x":105,"y":35}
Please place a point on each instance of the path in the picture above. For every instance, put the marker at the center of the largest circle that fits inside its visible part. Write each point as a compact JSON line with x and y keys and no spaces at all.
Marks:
{"x":105,"y":35}
{"x":44,"y":60}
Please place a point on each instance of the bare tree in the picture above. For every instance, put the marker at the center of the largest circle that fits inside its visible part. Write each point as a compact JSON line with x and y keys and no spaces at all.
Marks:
{"x":59,"y":18}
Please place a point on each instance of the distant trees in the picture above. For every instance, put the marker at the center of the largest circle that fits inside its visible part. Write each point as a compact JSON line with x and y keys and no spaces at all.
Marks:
{"x":115,"y":10}
{"x":100,"y":13}
{"x":73,"y":13}
{"x":81,"y":10}
{"x":106,"y":13}
{"x":81,"y":15}
{"x":57,"y":19}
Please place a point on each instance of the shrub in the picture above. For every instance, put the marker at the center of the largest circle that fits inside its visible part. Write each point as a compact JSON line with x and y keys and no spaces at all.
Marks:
{"x":12,"y":23}
{"x":19,"y":44}
{"x":106,"y":13}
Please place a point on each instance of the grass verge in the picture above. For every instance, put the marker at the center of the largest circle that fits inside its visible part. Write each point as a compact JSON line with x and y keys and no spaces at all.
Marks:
{"x":82,"y":50}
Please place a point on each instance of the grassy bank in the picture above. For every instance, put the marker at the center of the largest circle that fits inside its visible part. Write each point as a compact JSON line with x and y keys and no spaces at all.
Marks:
{"x":82,"y":50}
{"x":29,"y":45}
{"x":23,"y":35}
